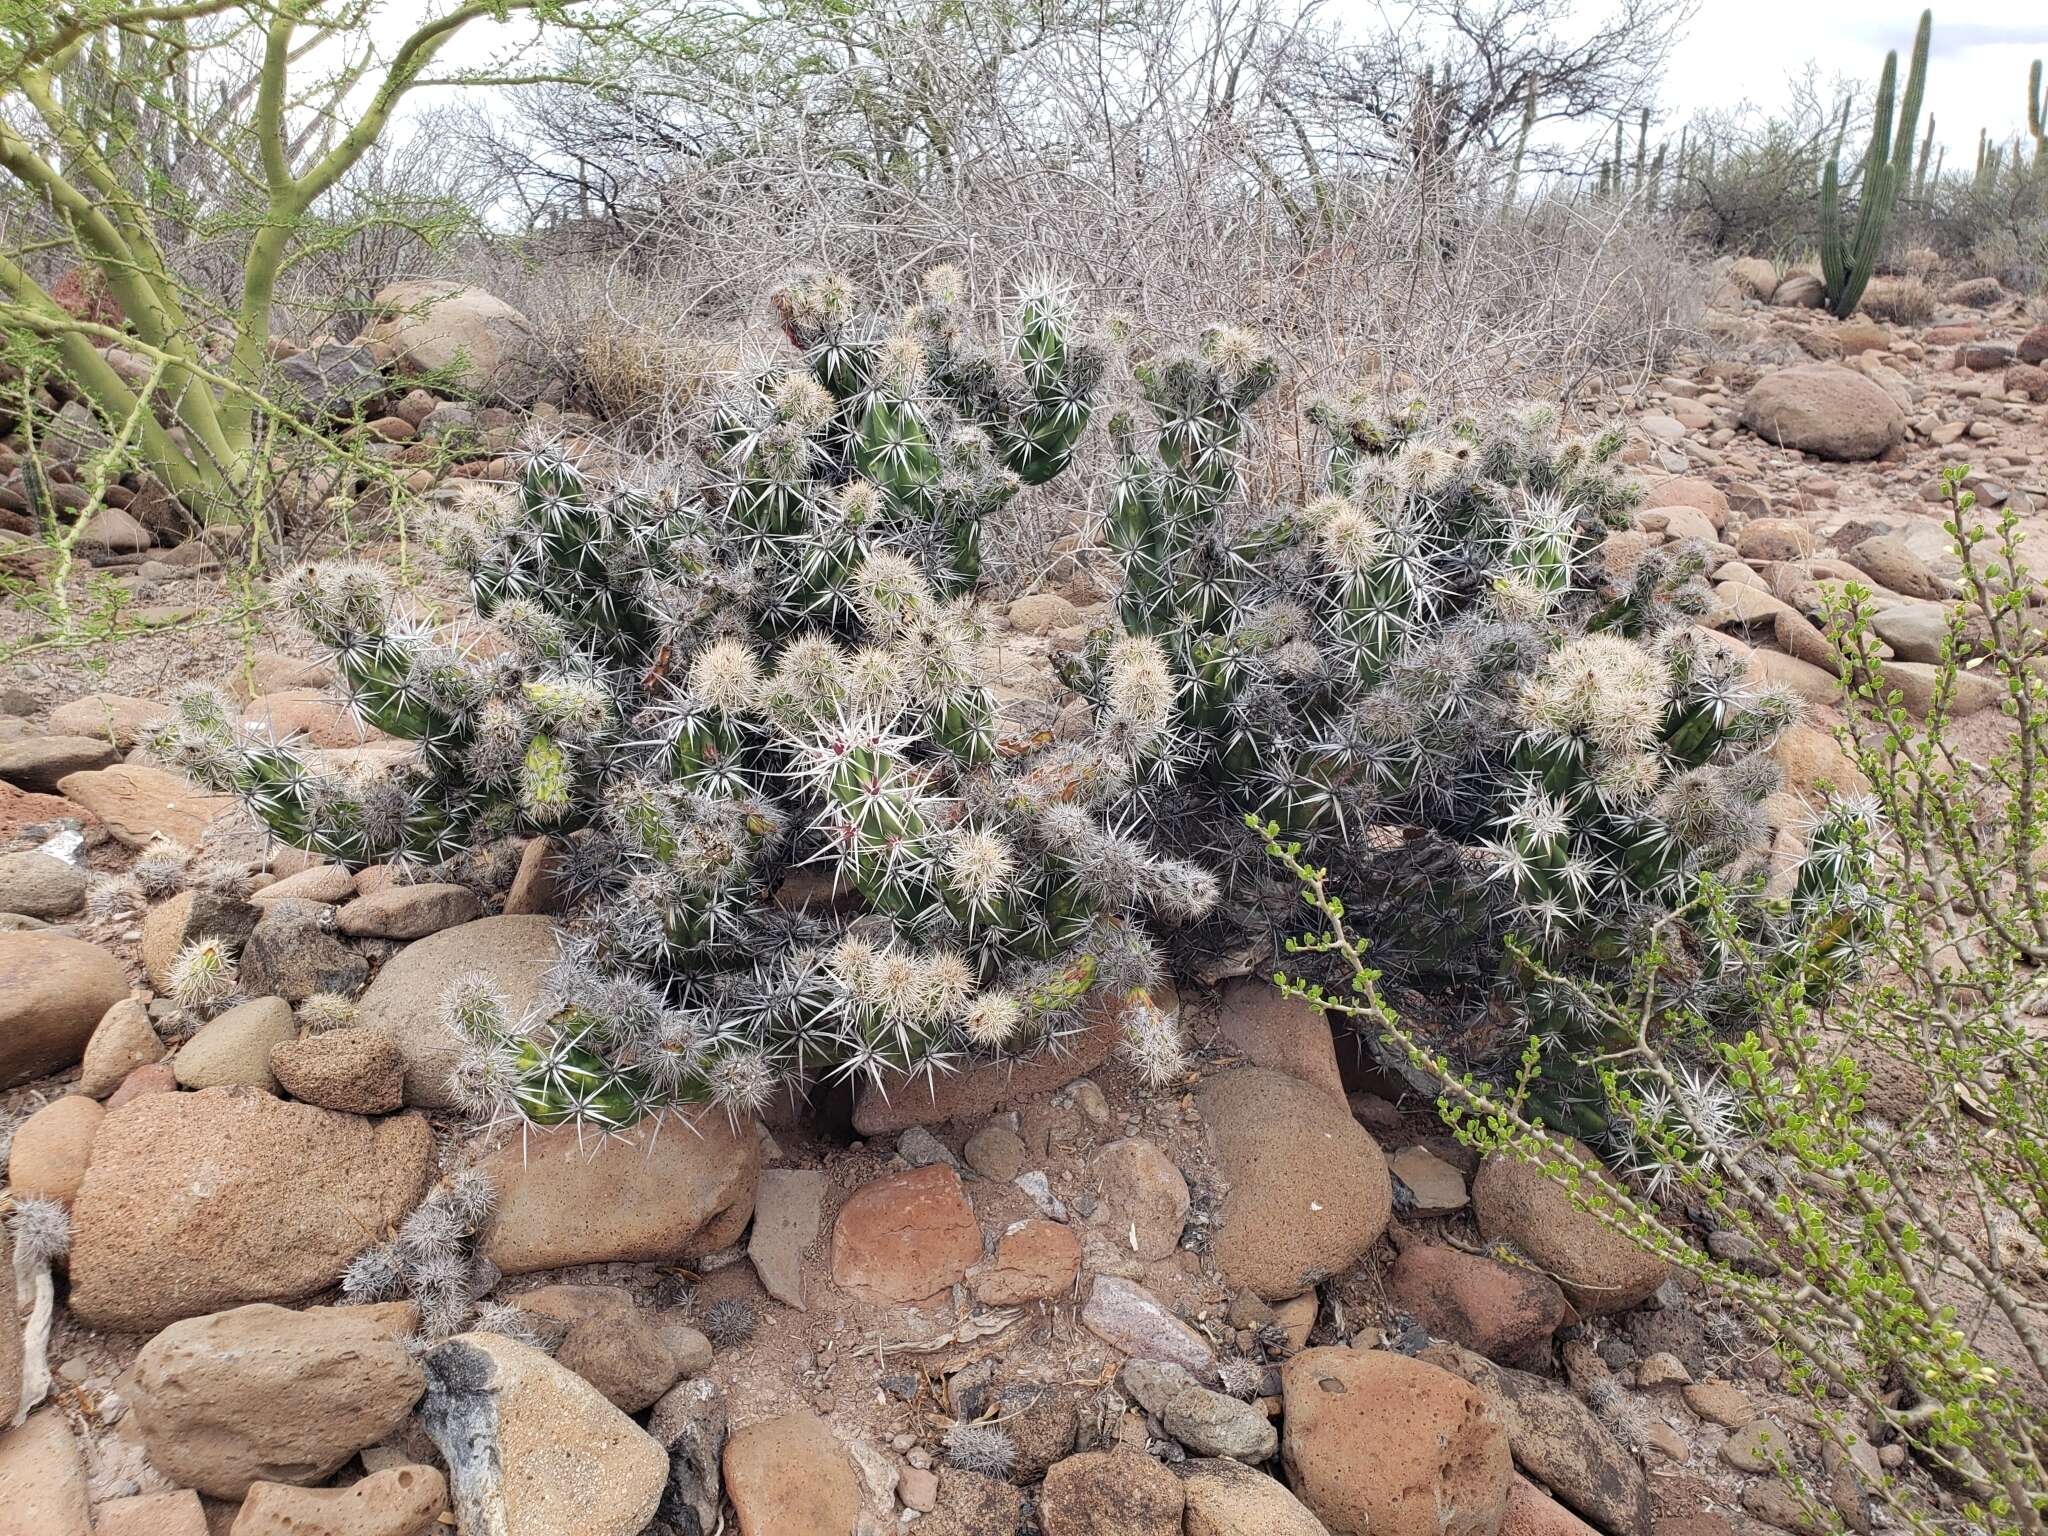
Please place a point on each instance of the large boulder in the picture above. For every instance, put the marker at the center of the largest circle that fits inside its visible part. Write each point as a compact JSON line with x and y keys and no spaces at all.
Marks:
{"x":405,"y":1000}
{"x":473,"y":338}
{"x":117,"y":717}
{"x":1599,"y":1269}
{"x":200,"y":1201}
{"x":40,"y":885}
{"x":233,"y":1051}
{"x":905,"y":1237}
{"x":293,"y":952}
{"x":789,"y":1476}
{"x":52,"y":1148}
{"x":262,"y":1393}
{"x":638,"y":1198}
{"x":53,"y":992}
{"x":1375,"y":1441}
{"x":1110,"y":1493}
{"x":531,"y":1448}
{"x":1309,"y":1187}
{"x":1825,"y":410}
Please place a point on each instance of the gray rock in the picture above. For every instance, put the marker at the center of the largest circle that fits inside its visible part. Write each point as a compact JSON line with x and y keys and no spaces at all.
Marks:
{"x":1131,"y":1319}
{"x":333,"y":379}
{"x":292,"y":953}
{"x":690,"y":1425}
{"x":405,"y":1000}
{"x":38,"y":884}
{"x":1207,"y":1423}
{"x":920,"y":1148}
{"x":39,"y":762}
{"x":408,"y":911}
{"x":788,"y":1206}
{"x":234,"y":1050}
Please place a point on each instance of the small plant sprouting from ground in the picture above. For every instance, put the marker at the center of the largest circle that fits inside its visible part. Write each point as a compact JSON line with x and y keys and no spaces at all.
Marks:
{"x":1905,"y":1235}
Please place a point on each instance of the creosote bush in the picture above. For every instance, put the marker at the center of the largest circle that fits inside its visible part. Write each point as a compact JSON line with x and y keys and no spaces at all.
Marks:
{"x":1880,"y":1140}
{"x":702,"y":685}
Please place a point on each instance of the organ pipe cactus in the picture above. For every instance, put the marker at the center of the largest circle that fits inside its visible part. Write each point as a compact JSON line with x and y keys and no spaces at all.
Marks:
{"x":695,"y":701}
{"x":1849,"y":259}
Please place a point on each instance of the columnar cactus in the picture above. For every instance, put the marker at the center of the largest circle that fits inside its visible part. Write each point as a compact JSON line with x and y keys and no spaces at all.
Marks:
{"x":1848,"y":260}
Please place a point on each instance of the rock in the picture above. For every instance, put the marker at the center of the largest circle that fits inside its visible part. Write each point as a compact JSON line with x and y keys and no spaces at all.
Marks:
{"x":1040,"y":613}
{"x":1973,"y":293}
{"x":1532,"y":1512}
{"x":1758,"y":1446}
{"x":1825,"y":410}
{"x":788,"y":1203}
{"x":408,"y":911}
{"x":1378,"y":1442}
{"x":52,"y":1148}
{"x":972,"y":1505}
{"x":920,"y":1148}
{"x":1433,"y":1186}
{"x":536,"y":885}
{"x":1270,"y":1029}
{"x":1131,"y":1320}
{"x":326,"y":883}
{"x":638,"y":1198}
{"x":1860,"y":333}
{"x":450,"y":328}
{"x":186,"y":918}
{"x":275,"y":672}
{"x":357,"y":1071}
{"x":157,"y":1077}
{"x":1719,"y":1402}
{"x":262,"y":1393}
{"x":335,"y":378}
{"x":2025,"y":381}
{"x":1983,"y":356}
{"x":137,"y":802}
{"x":1814,"y":760}
{"x":53,"y":992}
{"x":1034,"y":1260}
{"x":1556,"y":1439}
{"x":996,"y":1152}
{"x":405,"y":1000}
{"x":1890,"y":561}
{"x":1916,"y":683}
{"x":114,"y":530}
{"x":310,"y":717}
{"x":788,"y":1476}
{"x":2033,"y":347}
{"x":152,"y":1514}
{"x":42,"y":762}
{"x":531,"y":1448}
{"x":38,"y":884}
{"x":1309,"y":1188}
{"x":1774,"y":539}
{"x":234,"y":1050}
{"x":689,"y":1424}
{"x":1227,"y":1498}
{"x":1600,"y":1270}
{"x":1207,"y":1423}
{"x":905,"y":1237}
{"x":610,"y":1343}
{"x":292,"y":953}
{"x":123,"y":1040}
{"x":398,"y":1501}
{"x":978,"y":1091}
{"x":1505,"y":1312}
{"x":42,"y":1478}
{"x":1753,"y":276}
{"x":1774,"y":1503}
{"x":1145,"y":1199}
{"x":1799,"y":290}
{"x":199,"y":1201}
{"x":1110,"y":1493}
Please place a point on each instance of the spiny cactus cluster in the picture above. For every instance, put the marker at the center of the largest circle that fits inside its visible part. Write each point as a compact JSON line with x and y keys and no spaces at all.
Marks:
{"x":1516,"y":759}
{"x":700,"y":687}
{"x":433,"y":1258}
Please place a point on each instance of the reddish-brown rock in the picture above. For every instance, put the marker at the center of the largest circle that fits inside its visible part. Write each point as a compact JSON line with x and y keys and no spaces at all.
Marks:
{"x":1599,"y":1268}
{"x":53,"y":1147}
{"x":1270,"y":1029}
{"x":54,"y":991}
{"x":1505,"y":1312}
{"x":1376,"y":1442}
{"x":137,"y":802}
{"x":1110,"y":1493}
{"x":789,"y":1477}
{"x":399,"y":1501}
{"x":1034,"y":1261}
{"x":905,"y":1237}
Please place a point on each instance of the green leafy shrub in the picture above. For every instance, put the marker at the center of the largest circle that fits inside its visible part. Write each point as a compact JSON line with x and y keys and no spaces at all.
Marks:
{"x":699,"y":691}
{"x":1880,"y":1143}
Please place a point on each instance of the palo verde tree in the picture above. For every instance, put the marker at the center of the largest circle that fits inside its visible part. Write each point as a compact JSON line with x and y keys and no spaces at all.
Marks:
{"x":132,"y":133}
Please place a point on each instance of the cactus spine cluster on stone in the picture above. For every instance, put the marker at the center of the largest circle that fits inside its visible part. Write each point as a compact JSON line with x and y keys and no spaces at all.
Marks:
{"x":696,"y":688}
{"x":1848,"y":259}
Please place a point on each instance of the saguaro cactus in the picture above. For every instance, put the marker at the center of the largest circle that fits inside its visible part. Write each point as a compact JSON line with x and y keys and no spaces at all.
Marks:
{"x":2037,"y":115}
{"x":1847,"y":261}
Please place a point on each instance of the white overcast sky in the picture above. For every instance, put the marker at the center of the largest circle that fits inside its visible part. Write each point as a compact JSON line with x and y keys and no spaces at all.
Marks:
{"x":1732,"y":51}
